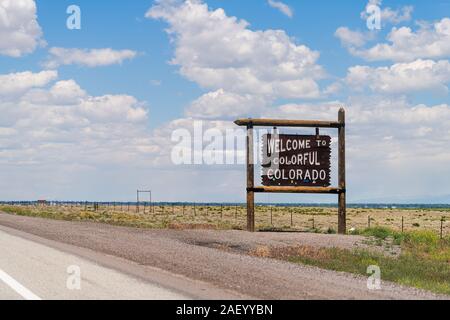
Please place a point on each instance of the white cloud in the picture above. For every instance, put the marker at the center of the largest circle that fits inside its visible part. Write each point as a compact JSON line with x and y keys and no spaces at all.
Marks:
{"x":221,"y":52}
{"x":351,"y":38}
{"x":333,"y":88}
{"x":87,"y":57}
{"x":66,"y":92}
{"x":282,"y":7}
{"x":311,"y":111}
{"x":430,"y":41}
{"x":17,"y":83}
{"x":224,"y":105}
{"x":376,"y":117}
{"x":389,"y":15}
{"x":20,"y":32}
{"x":416,"y":76}
{"x":63,"y":125}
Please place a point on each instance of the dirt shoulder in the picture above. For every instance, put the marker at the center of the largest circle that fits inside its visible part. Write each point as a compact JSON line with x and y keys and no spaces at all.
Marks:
{"x":218,"y":257}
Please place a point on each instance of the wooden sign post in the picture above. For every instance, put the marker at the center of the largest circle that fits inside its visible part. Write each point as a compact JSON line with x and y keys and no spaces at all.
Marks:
{"x":296,"y":163}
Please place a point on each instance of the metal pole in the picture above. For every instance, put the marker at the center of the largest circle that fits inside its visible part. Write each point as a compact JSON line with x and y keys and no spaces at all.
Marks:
{"x":137,"y":203}
{"x":151,"y":203}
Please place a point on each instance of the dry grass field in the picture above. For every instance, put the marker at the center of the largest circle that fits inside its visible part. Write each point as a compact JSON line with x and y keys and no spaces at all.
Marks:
{"x":268,"y":218}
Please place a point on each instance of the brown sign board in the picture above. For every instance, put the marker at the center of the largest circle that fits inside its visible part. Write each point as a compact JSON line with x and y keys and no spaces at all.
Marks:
{"x":296,"y":160}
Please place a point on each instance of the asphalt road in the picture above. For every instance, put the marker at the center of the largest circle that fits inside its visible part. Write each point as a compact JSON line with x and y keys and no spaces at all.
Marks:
{"x":30,"y":270}
{"x":120,"y":262}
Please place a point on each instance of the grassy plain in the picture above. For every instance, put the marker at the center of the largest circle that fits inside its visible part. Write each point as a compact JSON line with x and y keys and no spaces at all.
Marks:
{"x":323,"y":220}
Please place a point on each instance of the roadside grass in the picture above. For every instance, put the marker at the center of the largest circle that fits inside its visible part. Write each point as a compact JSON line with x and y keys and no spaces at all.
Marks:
{"x":119,"y":218}
{"x":267,"y":218}
{"x":424,"y":261}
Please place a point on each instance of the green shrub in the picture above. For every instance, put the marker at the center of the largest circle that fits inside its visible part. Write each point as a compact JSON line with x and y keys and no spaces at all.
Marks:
{"x":378,"y":232}
{"x":422,"y":237}
{"x":331,"y":230}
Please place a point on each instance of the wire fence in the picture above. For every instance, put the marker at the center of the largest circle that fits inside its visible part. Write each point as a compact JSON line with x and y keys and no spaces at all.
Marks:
{"x":268,"y":217}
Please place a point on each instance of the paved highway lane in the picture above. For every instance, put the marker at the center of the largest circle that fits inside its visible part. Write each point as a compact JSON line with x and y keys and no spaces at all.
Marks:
{"x":30,"y":270}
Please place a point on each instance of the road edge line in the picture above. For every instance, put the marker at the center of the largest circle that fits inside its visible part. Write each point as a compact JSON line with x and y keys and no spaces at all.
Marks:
{"x":17,"y":287}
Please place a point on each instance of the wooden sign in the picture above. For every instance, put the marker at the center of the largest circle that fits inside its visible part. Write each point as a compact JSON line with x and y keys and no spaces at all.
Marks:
{"x":296,"y":160}
{"x":296,"y":163}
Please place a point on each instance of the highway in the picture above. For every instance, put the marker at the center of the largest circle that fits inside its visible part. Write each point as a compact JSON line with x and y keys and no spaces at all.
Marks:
{"x":30,"y":270}
{"x":33,"y":271}
{"x":39,"y":259}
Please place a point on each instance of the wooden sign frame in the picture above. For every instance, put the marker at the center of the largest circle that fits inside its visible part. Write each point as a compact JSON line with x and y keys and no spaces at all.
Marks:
{"x":252,"y":189}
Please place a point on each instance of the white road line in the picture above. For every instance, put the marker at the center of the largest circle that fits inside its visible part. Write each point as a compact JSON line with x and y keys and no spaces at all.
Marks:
{"x":17,"y":287}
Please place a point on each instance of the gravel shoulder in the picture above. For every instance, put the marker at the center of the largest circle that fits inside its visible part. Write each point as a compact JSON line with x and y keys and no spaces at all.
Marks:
{"x":200,"y":255}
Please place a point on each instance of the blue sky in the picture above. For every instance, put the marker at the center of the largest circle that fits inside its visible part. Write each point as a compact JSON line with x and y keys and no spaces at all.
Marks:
{"x":154,"y":97}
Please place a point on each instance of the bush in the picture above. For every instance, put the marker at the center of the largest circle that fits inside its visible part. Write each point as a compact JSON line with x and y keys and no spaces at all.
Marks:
{"x":378,"y":232}
{"x":330,"y":230}
{"x":424,"y":237}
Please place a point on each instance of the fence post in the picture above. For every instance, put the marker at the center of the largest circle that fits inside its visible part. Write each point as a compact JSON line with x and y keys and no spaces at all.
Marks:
{"x":403,"y":224}
{"x":292,"y":220}
{"x":368,"y":222}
